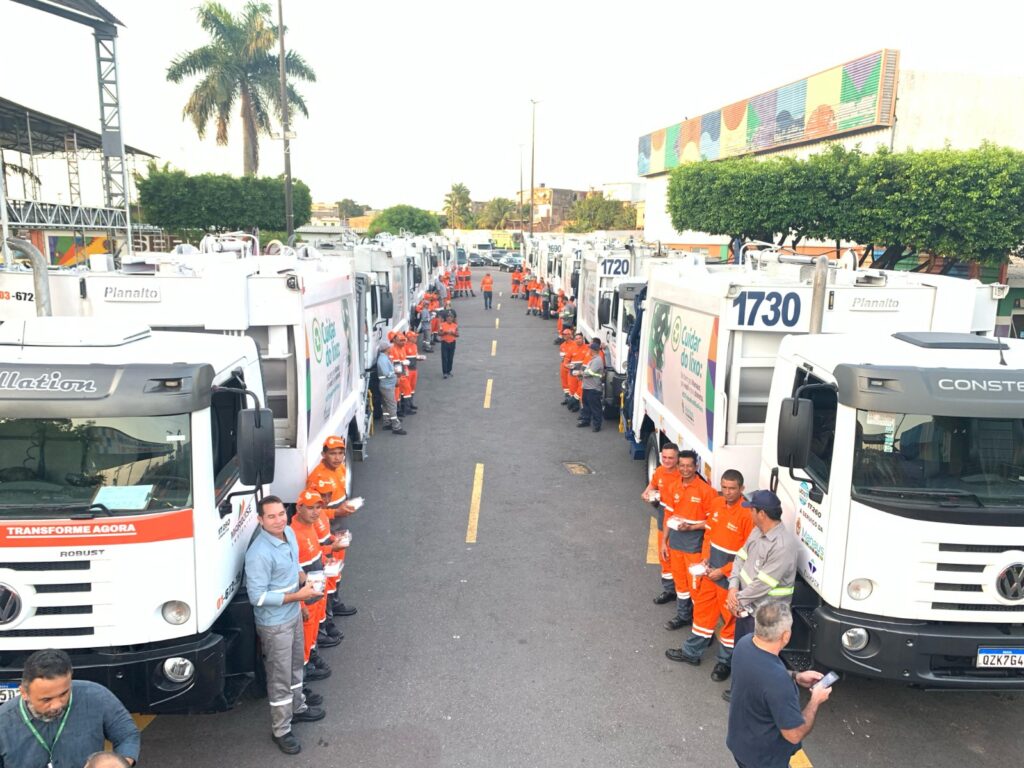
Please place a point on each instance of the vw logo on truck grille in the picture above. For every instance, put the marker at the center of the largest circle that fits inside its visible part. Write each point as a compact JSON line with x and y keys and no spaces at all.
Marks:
{"x":1009,"y":583}
{"x":10,"y":604}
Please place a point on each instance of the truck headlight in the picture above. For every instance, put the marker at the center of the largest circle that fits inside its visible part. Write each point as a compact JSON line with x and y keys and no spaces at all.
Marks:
{"x":175,"y":612}
{"x":860,"y":589}
{"x":855,"y":639}
{"x":178,"y":669}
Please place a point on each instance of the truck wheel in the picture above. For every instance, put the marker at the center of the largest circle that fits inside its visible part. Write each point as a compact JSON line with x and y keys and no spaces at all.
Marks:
{"x":653,"y":454}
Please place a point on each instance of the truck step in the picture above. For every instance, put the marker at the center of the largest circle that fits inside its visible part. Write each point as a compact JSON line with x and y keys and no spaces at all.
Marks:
{"x":798,"y":661}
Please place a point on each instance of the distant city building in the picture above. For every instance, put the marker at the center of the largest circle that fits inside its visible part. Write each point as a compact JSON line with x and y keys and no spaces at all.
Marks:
{"x":869,"y":102}
{"x":551,"y":206}
{"x":325,"y":215}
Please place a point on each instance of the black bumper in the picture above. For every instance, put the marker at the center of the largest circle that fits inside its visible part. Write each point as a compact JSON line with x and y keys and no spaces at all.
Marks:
{"x":135,"y":675}
{"x":925,"y":654}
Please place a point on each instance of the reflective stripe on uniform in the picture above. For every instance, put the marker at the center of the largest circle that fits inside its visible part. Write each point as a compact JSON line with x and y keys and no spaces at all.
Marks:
{"x":702,"y":631}
{"x":745,"y":578}
{"x":771,"y":581}
{"x":781,"y":591}
{"x":742,"y":553}
{"x":682,"y":595}
{"x":282,"y":702}
{"x":723,"y":549}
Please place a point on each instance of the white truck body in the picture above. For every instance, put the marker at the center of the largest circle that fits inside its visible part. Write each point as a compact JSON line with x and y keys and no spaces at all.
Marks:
{"x":879,"y":498}
{"x":120,"y":494}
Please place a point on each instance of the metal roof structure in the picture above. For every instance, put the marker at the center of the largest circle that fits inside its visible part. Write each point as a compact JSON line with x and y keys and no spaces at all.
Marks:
{"x":23,"y":129}
{"x":83,"y":11}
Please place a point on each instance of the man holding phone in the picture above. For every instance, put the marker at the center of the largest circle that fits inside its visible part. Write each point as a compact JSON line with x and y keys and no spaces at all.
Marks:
{"x":766,"y":724}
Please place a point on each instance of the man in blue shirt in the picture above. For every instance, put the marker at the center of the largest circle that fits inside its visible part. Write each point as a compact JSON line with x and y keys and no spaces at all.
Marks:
{"x":58,"y":722}
{"x":766,"y":725}
{"x":277,"y":586}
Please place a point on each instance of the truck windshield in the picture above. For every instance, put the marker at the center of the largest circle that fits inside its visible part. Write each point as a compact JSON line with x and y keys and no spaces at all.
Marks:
{"x":939,"y":461}
{"x":79,"y":467}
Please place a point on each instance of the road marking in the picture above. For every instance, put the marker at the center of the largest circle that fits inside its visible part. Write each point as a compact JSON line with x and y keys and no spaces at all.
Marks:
{"x":499,"y":294}
{"x":487,"y":394}
{"x":494,"y":347}
{"x":652,"y":544}
{"x":474,"y":504}
{"x":142,"y":721}
{"x":499,"y":306}
{"x":800,"y":760}
{"x":497,"y":322}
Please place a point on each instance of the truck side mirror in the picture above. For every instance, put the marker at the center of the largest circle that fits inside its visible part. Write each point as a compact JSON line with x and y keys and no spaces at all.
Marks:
{"x":417,"y":274}
{"x":604,"y":311}
{"x":796,"y":419}
{"x":387,"y":305}
{"x":575,"y":282}
{"x":255,"y":446}
{"x":433,"y":261}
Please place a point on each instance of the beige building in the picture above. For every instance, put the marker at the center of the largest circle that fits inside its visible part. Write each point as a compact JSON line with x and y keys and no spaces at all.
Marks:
{"x":324,"y":215}
{"x":551,"y":205}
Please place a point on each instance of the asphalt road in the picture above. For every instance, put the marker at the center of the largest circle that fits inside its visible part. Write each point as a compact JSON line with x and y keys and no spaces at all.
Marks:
{"x":538,"y":645}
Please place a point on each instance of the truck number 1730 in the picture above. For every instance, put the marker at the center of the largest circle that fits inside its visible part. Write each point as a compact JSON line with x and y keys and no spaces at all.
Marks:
{"x":760,"y":308}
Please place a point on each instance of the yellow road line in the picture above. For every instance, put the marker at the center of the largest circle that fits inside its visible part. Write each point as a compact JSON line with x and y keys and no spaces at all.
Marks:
{"x":494,"y":347}
{"x":652,"y":544}
{"x":474,"y":504}
{"x":142,"y":721}
{"x":800,"y":760}
{"x":487,"y":394}
{"x":497,"y":322}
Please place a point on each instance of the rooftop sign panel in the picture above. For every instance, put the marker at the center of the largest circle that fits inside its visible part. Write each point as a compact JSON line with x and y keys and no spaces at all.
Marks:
{"x":855,"y":96}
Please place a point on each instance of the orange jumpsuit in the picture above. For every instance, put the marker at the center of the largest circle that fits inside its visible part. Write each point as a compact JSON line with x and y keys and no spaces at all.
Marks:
{"x":487,"y":283}
{"x":411,"y":350}
{"x":397,"y":354}
{"x":311,"y":560}
{"x":565,"y":350}
{"x":727,"y":529}
{"x":663,"y":480}
{"x":328,"y":482}
{"x":581,"y":354}
{"x":517,"y":276}
{"x":326,"y":540}
{"x":560,"y":307}
{"x":691,"y":502}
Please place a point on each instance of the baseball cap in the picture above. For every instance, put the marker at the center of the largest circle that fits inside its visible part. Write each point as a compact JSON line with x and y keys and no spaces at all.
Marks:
{"x":765,"y":500}
{"x":334,"y":442}
{"x":309,"y":498}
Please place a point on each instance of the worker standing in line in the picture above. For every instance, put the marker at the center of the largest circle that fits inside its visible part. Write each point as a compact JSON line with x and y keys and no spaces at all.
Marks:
{"x":469,"y":281}
{"x":387,"y":381}
{"x":277,"y":586}
{"x":564,"y":355}
{"x":332,"y":466}
{"x":728,"y":526}
{"x":435,"y":320}
{"x":691,"y":500}
{"x":517,"y":276}
{"x":567,"y":317}
{"x":765,"y":566}
{"x":330,"y":492}
{"x":580,"y":356}
{"x":425,"y":316}
{"x":311,"y":561}
{"x":655,"y":493}
{"x":559,"y":308}
{"x":449,"y":334}
{"x":591,"y":386}
{"x":487,"y":289}
{"x":403,"y":391}
{"x":412,"y":354}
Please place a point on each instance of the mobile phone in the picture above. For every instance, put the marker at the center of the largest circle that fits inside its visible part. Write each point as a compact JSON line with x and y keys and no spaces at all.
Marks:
{"x":827,"y":680}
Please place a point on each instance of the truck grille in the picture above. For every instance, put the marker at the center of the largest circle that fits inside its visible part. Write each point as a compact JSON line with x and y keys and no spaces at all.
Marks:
{"x":953,"y":578}
{"x":58,"y":609}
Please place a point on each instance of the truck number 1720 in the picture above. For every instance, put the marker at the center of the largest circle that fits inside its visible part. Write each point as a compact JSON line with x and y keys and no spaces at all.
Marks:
{"x":615,"y":267}
{"x":760,"y":308}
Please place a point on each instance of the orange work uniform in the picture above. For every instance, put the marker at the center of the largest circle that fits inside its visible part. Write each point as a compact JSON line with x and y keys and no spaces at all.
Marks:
{"x":487,"y":283}
{"x":396,"y":352}
{"x":690,"y":502}
{"x":326,"y":541}
{"x":411,"y":350}
{"x":565,"y":351}
{"x":581,"y":354}
{"x":726,"y":530}
{"x":559,"y":307}
{"x":328,"y":482}
{"x":311,"y":561}
{"x":517,"y":277}
{"x":663,"y":480}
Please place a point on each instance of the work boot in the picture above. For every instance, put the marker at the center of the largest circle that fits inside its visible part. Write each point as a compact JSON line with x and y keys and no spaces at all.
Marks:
{"x":399,"y":432}
{"x":309,"y":715}
{"x":340,"y":609}
{"x":312,"y":699}
{"x":721,"y":672}
{"x":288,"y":743}
{"x":311,"y":672}
{"x":410,"y":406}
{"x":674,"y":654}
{"x":665,"y":597}
{"x":332,"y":630}
{"x":677,"y":622}
{"x":323,"y":640}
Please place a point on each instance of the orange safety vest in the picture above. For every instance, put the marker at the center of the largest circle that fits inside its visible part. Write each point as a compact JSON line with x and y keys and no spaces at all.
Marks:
{"x":487,"y":283}
{"x":309,"y":545}
{"x":727,"y":529}
{"x":449,"y":331}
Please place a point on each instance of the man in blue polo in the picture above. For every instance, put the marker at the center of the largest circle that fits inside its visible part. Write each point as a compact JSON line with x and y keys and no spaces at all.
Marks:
{"x":277,"y":587}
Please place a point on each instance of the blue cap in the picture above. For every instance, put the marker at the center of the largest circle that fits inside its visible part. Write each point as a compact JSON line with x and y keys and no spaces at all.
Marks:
{"x":765,"y":500}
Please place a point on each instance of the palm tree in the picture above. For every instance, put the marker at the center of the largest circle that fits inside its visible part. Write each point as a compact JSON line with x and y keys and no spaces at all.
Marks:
{"x":498,"y":213}
{"x":238,"y":64}
{"x":458,"y":206}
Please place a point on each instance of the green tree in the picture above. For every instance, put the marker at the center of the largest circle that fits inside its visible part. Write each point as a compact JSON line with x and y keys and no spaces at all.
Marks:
{"x":348,"y":208}
{"x":595,"y":212}
{"x":174,"y":200}
{"x":497,"y":214}
{"x":458,"y":207}
{"x":239,"y":65}
{"x":404,"y":218}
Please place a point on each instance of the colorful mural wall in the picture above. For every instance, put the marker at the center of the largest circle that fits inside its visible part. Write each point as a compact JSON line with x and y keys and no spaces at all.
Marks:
{"x":68,"y":250}
{"x":852,"y":97}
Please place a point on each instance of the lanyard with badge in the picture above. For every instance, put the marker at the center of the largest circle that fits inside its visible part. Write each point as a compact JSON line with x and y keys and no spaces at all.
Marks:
{"x":39,"y":737}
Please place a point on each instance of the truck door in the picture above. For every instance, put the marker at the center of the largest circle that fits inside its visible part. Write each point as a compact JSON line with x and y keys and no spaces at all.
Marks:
{"x":809,"y":498}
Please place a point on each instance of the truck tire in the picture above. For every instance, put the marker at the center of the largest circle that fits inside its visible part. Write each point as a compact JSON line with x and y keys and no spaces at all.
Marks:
{"x":653,"y":454}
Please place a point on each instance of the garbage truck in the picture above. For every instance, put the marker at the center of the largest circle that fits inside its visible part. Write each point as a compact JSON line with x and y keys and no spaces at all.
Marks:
{"x":891,"y":425}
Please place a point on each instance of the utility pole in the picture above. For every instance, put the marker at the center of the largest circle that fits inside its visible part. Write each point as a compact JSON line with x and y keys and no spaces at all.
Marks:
{"x":533,"y":154}
{"x":289,"y":214}
{"x":520,"y":191}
